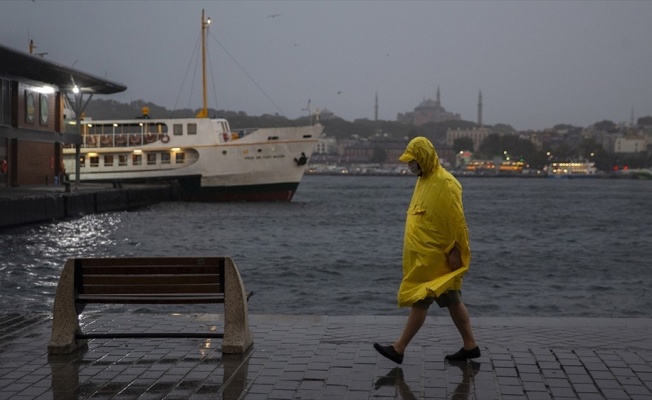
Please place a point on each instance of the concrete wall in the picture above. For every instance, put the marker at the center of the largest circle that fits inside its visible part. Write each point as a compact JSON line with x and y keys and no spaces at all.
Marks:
{"x":40,"y":208}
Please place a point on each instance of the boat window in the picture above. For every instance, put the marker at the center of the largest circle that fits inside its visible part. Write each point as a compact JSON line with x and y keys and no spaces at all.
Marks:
{"x":136,"y":159}
{"x":108,"y":160}
{"x":82,"y":162}
{"x":165,"y":158}
{"x":95,"y":161}
{"x":151,"y":158}
{"x":180,"y":158}
{"x":192,"y":129}
{"x":122,"y":160}
{"x":177,"y":129}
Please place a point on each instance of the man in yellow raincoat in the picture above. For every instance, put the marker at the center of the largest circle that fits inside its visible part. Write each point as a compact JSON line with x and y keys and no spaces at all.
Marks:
{"x":436,"y":251}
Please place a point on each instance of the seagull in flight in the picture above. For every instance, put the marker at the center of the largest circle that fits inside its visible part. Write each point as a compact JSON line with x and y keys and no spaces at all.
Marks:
{"x":273,"y":15}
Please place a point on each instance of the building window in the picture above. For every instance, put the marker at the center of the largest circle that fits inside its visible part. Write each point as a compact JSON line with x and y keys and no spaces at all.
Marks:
{"x":177,"y":129}
{"x":151,"y":158}
{"x":180,"y":158}
{"x":82,"y":161}
{"x":165,"y":158}
{"x":30,"y":107}
{"x":95,"y":161}
{"x":108,"y":160}
{"x":136,"y":159}
{"x":5,"y":102}
{"x":122,"y":160}
{"x":192,"y":129}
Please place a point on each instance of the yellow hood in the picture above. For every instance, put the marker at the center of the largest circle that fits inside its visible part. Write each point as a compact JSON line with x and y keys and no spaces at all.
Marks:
{"x":435,"y":224}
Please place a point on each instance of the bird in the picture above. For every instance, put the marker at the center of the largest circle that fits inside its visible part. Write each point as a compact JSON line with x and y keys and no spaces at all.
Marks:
{"x":273,"y":15}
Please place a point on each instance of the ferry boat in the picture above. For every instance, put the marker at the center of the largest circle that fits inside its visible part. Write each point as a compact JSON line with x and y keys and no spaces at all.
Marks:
{"x":573,"y":169}
{"x":209,"y":160}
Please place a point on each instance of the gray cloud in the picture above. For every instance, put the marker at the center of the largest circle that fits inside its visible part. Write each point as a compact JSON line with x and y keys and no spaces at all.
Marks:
{"x":537,"y":63}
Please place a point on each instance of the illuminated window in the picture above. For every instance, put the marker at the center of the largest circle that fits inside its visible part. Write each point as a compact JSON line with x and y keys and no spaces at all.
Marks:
{"x":108,"y":160}
{"x":180,"y":158}
{"x":82,"y":162}
{"x":136,"y":159}
{"x":122,"y":160}
{"x":165,"y":158}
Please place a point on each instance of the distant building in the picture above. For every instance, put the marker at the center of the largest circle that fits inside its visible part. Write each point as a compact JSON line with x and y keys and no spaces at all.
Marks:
{"x":477,"y":135}
{"x":428,"y":111}
{"x":366,"y":151}
{"x":631,"y":144}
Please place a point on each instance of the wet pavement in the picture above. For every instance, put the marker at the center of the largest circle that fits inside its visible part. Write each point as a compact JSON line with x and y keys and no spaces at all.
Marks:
{"x":330,"y":357}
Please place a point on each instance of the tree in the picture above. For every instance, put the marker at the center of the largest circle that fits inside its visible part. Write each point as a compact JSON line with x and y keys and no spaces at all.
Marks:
{"x":644,"y":121}
{"x":606,"y":126}
{"x":463,"y":144}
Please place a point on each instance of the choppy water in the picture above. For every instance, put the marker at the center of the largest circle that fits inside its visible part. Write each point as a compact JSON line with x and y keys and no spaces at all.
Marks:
{"x":540,"y":247}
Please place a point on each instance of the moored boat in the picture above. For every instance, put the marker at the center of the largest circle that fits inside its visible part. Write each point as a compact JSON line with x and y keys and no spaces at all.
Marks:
{"x":573,"y":169}
{"x":210,"y":160}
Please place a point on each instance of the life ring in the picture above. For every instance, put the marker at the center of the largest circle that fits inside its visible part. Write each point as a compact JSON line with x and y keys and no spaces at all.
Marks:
{"x":4,"y":166}
{"x":165,"y":138}
{"x":134,"y":139}
{"x":106,"y":140}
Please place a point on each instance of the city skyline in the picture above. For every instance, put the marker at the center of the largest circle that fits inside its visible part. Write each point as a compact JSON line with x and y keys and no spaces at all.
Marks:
{"x":537,"y":63}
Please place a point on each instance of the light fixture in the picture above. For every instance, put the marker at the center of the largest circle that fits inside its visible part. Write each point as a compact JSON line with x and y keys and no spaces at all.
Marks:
{"x":138,"y":151}
{"x":44,"y":89}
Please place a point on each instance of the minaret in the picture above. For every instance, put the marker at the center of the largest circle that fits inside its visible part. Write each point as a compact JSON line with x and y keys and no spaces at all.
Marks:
{"x":631,"y":119}
{"x":438,"y":97}
{"x":376,"y":108}
{"x":480,"y":108}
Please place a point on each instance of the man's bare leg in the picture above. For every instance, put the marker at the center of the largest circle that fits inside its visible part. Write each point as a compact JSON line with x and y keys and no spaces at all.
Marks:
{"x":414,"y":322}
{"x":462,"y":321}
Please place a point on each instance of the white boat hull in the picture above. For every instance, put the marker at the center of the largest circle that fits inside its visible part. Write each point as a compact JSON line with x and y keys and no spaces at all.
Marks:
{"x":213,"y":164}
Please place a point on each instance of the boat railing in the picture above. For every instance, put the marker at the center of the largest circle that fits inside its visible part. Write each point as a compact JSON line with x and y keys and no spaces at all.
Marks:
{"x":123,"y":135}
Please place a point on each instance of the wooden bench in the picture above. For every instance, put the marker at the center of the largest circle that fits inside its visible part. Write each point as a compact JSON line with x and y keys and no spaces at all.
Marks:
{"x":154,"y":280}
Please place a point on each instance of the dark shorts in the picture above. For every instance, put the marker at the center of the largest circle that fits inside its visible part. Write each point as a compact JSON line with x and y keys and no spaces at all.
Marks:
{"x":446,"y":299}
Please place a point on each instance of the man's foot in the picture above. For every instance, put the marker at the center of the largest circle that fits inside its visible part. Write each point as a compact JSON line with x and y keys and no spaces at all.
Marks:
{"x":463,"y":354}
{"x":389,"y":352}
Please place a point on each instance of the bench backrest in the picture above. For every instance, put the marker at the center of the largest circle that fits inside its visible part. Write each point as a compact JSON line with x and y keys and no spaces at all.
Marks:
{"x":156,"y":280}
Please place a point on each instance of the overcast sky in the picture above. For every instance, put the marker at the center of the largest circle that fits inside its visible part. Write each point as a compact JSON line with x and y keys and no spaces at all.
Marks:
{"x":538,"y":63}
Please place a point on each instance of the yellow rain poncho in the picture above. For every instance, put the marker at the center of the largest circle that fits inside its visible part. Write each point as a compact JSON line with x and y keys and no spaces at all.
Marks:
{"x":435,"y":224}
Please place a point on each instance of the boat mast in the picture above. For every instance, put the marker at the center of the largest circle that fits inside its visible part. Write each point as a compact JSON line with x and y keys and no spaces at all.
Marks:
{"x":203,"y":113}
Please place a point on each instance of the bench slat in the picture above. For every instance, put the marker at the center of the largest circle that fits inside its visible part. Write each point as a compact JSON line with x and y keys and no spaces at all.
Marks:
{"x":151,"y":279}
{"x":150,"y":270}
{"x":156,"y":261}
{"x":172,"y":290}
{"x":150,"y":299}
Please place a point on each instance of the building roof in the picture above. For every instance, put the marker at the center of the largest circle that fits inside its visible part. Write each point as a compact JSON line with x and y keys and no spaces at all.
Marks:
{"x":17,"y":64}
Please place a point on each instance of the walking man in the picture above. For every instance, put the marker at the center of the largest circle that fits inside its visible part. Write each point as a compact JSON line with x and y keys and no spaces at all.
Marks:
{"x":436,"y":252}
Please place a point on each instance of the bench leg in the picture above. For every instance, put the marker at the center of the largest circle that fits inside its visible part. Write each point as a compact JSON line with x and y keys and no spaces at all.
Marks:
{"x":237,"y":337}
{"x":65,"y":321}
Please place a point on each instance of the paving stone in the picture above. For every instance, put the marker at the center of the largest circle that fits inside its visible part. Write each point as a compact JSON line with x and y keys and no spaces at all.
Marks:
{"x":321,"y":357}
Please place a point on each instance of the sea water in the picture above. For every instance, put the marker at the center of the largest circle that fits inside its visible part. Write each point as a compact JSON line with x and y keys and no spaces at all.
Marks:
{"x":540,"y":247}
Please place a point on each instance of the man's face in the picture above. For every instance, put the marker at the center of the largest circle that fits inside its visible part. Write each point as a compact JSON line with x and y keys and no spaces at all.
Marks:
{"x":413,"y":165}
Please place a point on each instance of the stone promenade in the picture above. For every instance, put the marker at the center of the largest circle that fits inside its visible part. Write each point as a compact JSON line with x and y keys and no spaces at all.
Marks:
{"x":331,"y":357}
